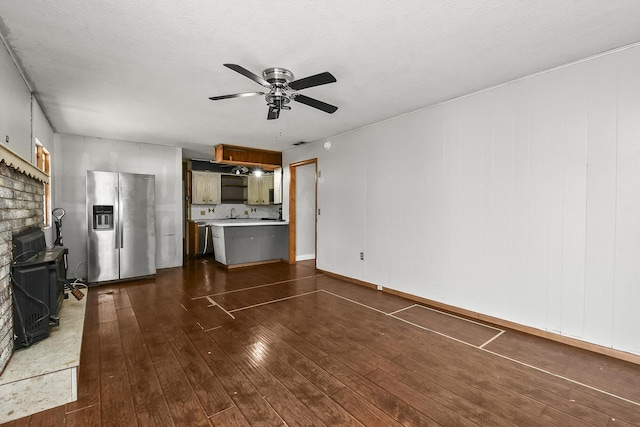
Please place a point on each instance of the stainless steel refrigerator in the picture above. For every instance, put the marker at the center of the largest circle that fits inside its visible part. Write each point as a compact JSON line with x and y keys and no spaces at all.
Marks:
{"x":121,"y":238}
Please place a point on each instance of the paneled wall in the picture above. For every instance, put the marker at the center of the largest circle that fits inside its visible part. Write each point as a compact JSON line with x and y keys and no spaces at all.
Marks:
{"x":15,"y":107}
{"x":74,"y":155}
{"x":520,"y":202}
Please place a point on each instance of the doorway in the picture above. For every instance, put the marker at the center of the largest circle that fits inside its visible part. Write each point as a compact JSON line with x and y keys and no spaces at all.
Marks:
{"x":303,"y":202}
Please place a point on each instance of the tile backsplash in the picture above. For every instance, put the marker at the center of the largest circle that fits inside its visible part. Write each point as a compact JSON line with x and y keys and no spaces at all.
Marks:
{"x":198,"y":212}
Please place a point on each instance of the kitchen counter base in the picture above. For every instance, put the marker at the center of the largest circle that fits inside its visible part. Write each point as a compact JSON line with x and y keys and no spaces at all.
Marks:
{"x":249,"y":244}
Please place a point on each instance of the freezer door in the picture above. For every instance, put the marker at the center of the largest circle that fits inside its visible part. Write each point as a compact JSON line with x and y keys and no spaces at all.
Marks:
{"x":102,"y":244}
{"x":137,"y":229}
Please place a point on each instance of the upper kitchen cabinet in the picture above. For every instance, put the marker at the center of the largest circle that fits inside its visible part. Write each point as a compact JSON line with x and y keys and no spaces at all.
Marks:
{"x":233,"y":189}
{"x":205,"y":188}
{"x":277,"y":186}
{"x":234,"y":155}
{"x":260,"y":189}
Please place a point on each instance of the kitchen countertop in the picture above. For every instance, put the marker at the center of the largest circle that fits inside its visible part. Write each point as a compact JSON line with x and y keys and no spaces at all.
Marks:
{"x":241,"y":222}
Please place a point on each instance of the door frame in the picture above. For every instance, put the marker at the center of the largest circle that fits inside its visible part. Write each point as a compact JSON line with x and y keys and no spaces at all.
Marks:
{"x":292,"y":207}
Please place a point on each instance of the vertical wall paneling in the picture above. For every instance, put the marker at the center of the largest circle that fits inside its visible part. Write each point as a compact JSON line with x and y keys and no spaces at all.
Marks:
{"x":626,"y":310}
{"x":536,"y":277}
{"x":527,"y":208}
{"x":501,"y":261}
{"x":15,"y":107}
{"x":484,"y":281}
{"x":435,"y":137}
{"x":602,"y":81}
{"x":470,"y":188}
{"x":520,"y":99}
{"x":384,"y":204}
{"x":575,"y":195}
{"x":409,"y":250}
{"x":452,"y":262}
{"x":553,"y":291}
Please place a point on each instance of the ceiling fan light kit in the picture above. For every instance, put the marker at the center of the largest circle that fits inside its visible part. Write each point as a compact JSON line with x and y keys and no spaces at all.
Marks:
{"x":282,"y":88}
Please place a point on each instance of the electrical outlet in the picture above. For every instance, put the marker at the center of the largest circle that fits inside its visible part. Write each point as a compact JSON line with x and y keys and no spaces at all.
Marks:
{"x":203,"y":212}
{"x":246,"y":212}
{"x":361,"y":256}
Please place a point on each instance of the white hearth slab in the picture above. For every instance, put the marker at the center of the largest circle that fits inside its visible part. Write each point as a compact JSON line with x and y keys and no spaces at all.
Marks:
{"x":45,"y":375}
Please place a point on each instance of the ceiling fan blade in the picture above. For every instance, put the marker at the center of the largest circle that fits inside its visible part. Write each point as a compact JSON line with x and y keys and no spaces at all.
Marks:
{"x":256,"y":78}
{"x":312,"y":102}
{"x":273,"y":113}
{"x":235,"y":95}
{"x":315,"y":80}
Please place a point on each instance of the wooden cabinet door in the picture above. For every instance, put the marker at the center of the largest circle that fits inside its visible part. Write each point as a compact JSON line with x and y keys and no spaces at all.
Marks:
{"x":253,"y":190}
{"x":265,"y":186}
{"x":277,"y":186}
{"x":258,"y":189}
{"x":205,"y":188}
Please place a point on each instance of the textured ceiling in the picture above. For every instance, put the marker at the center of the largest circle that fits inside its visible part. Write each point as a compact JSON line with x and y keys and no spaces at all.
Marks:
{"x":143,"y":70}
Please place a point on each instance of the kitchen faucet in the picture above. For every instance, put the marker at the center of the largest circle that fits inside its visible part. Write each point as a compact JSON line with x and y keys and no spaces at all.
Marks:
{"x":233,"y":213}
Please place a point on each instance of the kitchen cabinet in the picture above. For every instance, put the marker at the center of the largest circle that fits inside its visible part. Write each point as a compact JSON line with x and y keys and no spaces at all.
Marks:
{"x":234,"y":155}
{"x":277,"y":186}
{"x":246,"y":243}
{"x":233,"y":189}
{"x":200,"y":239}
{"x":205,"y":188}
{"x":259,"y":188}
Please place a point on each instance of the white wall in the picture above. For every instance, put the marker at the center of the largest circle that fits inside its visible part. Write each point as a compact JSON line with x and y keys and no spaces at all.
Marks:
{"x":42,"y":131}
{"x":21,"y":118}
{"x":74,"y":155}
{"x":15,"y":107}
{"x":305,"y":212}
{"x":519,"y":202}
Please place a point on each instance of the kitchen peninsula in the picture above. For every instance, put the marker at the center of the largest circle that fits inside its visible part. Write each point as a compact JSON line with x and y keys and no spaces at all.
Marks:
{"x":241,"y":242}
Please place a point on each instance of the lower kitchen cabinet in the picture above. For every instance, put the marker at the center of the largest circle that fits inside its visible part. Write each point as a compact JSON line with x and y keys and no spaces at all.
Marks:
{"x":200,"y":239}
{"x":251,"y":244}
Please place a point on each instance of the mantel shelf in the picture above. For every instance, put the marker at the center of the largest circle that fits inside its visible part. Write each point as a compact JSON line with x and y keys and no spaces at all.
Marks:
{"x":13,"y":160}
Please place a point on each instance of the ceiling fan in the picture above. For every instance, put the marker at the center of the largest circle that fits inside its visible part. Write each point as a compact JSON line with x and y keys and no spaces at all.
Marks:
{"x":282,"y":89}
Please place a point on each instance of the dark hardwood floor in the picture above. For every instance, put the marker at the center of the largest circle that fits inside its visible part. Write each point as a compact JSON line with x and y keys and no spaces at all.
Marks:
{"x":281,"y":345}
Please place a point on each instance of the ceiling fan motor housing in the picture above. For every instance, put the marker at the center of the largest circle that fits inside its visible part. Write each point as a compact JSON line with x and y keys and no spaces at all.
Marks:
{"x":278,"y":76}
{"x":279,"y":94}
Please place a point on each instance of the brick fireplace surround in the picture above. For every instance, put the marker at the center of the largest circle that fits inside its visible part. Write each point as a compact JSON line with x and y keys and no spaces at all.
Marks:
{"x":21,"y":206}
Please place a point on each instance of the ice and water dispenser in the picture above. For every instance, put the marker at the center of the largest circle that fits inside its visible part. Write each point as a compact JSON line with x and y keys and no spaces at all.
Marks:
{"x":102,"y":217}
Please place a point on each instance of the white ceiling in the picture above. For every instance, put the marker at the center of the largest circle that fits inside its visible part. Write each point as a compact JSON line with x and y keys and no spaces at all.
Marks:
{"x":143,"y":70}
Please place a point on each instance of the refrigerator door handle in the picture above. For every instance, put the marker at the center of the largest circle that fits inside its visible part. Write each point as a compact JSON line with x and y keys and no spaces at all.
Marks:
{"x":121,"y":220}
{"x":116,"y":222}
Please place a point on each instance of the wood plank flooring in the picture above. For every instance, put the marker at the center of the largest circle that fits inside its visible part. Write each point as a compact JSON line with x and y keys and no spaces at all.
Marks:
{"x":282,"y":345}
